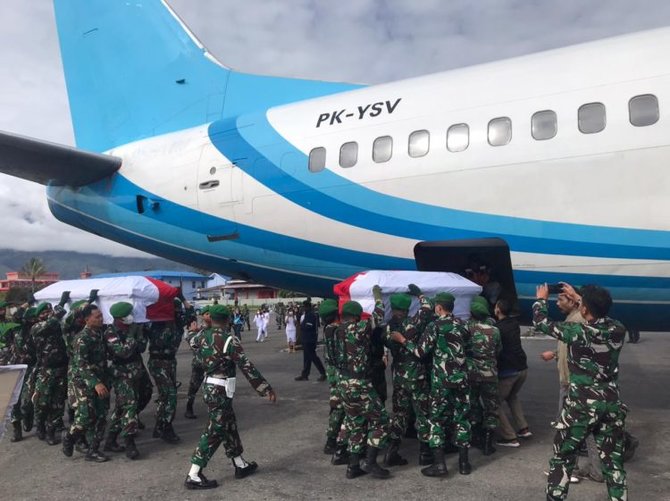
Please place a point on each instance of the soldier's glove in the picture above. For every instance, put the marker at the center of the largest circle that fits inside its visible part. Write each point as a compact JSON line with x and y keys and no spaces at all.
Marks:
{"x":413,"y":290}
{"x":93,"y":295}
{"x":64,"y":298}
{"x":59,"y":311}
{"x":377,"y":293}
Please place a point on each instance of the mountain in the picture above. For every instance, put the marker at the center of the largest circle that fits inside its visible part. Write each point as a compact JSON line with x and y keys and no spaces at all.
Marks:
{"x":71,"y":264}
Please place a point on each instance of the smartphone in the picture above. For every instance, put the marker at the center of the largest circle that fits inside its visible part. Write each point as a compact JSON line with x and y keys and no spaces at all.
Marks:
{"x":555,"y":288}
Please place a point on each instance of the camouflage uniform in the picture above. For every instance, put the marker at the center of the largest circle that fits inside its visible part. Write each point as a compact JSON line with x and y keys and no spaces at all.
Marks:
{"x":449,"y":397}
{"x":51,"y":373}
{"x":410,"y":375}
{"x":71,"y":327}
{"x":337,"y":413}
{"x":124,"y":349}
{"x":219,"y":351}
{"x":197,"y":370}
{"x":482,"y":345}
{"x":164,"y":340}
{"x":25,"y":353}
{"x":89,"y":368}
{"x":593,"y":404}
{"x":361,"y":402}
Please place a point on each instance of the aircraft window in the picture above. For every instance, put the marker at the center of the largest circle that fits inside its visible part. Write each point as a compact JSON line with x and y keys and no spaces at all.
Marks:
{"x":349,"y":154}
{"x":500,"y":131}
{"x":544,"y":125}
{"x":458,"y":137}
{"x":317,"y":159}
{"x":591,"y":118}
{"x":643,"y":110}
{"x":382,"y":149}
{"x":419,"y":143}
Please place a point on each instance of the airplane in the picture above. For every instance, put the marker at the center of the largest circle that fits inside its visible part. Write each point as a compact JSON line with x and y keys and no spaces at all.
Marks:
{"x":548,"y":166}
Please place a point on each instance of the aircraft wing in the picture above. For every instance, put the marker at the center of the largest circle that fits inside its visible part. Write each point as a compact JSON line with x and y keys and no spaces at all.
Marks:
{"x":52,"y":164}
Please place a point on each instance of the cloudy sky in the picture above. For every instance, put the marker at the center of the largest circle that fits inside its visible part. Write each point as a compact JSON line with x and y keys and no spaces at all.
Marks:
{"x":367,"y":41}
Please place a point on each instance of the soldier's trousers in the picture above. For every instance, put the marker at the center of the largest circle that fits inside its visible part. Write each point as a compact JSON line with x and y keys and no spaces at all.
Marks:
{"x":484,"y":404}
{"x":606,"y":420}
{"x":50,"y":395}
{"x":405,"y":399}
{"x":221,"y":428}
{"x":24,"y":407}
{"x":366,"y":416}
{"x":164,"y":373}
{"x":124,"y":417}
{"x":90,"y":415}
{"x":449,"y":416}
{"x":336,"y":416}
{"x":145,"y":389}
{"x":197,"y":377}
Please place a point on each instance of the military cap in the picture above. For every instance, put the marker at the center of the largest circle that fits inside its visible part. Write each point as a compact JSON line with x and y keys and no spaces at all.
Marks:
{"x":352,"y":308}
{"x":120,"y":310}
{"x":219,"y":312}
{"x":400,"y":301}
{"x":205,"y":309}
{"x":444,"y":297}
{"x":29,"y":313}
{"x":78,"y":304}
{"x":327,"y":307}
{"x":479,"y":306}
{"x":3,"y":304}
{"x":41,"y":307}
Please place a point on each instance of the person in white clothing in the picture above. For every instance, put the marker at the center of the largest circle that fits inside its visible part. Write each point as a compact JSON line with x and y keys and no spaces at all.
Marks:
{"x":266,"y":322}
{"x":258,"y":320}
{"x":290,"y":321}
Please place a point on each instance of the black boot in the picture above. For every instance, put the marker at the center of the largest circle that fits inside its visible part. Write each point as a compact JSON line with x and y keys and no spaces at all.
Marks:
{"x":439,"y":467}
{"x":41,"y":430}
{"x":158,"y":429}
{"x":51,"y":436}
{"x":28,"y":417}
{"x":189,"y":408}
{"x":370,"y":464}
{"x":94,"y":453}
{"x":81,"y":445}
{"x":203,"y":484}
{"x":425,"y":454}
{"x":464,"y":467}
{"x":131,"y":448}
{"x":330,"y":447}
{"x":18,"y":436}
{"x":340,"y":456}
{"x":354,"y":469}
{"x":245,"y":471}
{"x":111,"y":444}
{"x":392,"y":458}
{"x":169,"y":435}
{"x":69,"y":441}
{"x":487,"y":448}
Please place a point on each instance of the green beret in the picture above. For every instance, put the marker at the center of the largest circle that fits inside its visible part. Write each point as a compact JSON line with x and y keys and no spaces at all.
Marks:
{"x":120,"y":310}
{"x":400,"y":301}
{"x":444,"y":297}
{"x":479,"y":307}
{"x":41,"y":307}
{"x":219,"y":312}
{"x":205,"y":309}
{"x":29,"y":313}
{"x":78,"y":304}
{"x":3,"y":304}
{"x":352,"y":308}
{"x":327,"y":307}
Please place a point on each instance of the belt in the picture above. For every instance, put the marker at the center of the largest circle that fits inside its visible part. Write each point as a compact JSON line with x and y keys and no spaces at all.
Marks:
{"x":351,"y":375}
{"x":161,"y":356}
{"x":216,"y":380}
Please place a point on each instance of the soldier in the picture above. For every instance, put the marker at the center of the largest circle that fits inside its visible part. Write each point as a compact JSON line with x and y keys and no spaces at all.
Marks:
{"x":9,"y":355}
{"x":482,"y":342}
{"x":164,"y":340}
{"x":410,"y":382}
{"x":73,"y":324}
{"x":122,"y":339}
{"x":593,"y":404}
{"x":91,"y":386}
{"x":51,"y":379}
{"x":449,"y":399}
{"x":25,"y":353}
{"x":219,"y":352}
{"x":197,"y":370}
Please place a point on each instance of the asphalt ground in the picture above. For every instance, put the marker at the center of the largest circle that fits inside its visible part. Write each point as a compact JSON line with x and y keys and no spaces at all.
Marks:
{"x":287,"y":438}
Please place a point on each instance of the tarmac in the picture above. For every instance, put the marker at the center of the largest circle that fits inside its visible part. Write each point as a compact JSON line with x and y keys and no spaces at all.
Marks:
{"x":286,"y":440}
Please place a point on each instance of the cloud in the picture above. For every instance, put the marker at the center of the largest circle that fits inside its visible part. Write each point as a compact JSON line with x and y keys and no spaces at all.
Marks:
{"x":370,"y":41}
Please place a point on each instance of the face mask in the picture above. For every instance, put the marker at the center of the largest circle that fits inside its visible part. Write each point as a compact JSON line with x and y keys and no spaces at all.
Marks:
{"x":128,"y":319}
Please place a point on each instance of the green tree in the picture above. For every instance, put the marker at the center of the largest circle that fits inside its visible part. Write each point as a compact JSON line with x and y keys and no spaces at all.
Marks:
{"x":33,"y":268}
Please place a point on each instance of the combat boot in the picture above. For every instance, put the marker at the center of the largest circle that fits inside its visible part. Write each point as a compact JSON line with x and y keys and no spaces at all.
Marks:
{"x":340,"y":456}
{"x":131,"y":448}
{"x":94,"y":453}
{"x":464,"y":467}
{"x":439,"y":467}
{"x":245,"y":471}
{"x":426,"y":457}
{"x":81,"y":445}
{"x":354,"y":469}
{"x":392,"y":457}
{"x":189,"y":408}
{"x":51,"y":436}
{"x":69,"y":441}
{"x":370,"y":464}
{"x":18,"y":436}
{"x":189,"y":483}
{"x":28,"y":417}
{"x":487,"y":448}
{"x":330,"y":447}
{"x":111,"y":445}
{"x":41,"y":430}
{"x":158,"y":429}
{"x":169,"y":435}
